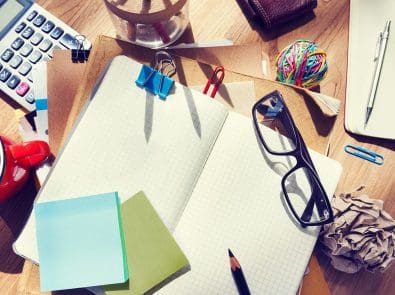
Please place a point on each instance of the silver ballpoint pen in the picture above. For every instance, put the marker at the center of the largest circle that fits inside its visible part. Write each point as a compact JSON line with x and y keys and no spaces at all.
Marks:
{"x":379,"y":58}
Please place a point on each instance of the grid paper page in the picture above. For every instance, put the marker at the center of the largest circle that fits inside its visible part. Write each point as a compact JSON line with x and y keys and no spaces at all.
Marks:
{"x":367,"y":20}
{"x":128,"y":141}
{"x":237,"y":204}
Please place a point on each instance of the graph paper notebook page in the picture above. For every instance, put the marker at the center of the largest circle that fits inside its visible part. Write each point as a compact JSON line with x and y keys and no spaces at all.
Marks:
{"x":237,"y":204}
{"x":128,"y":141}
{"x":367,"y":20}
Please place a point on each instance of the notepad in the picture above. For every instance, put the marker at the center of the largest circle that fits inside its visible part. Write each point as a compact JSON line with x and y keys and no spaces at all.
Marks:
{"x":207,"y":176}
{"x":80,"y":242}
{"x":367,"y":20}
{"x":152,"y":252}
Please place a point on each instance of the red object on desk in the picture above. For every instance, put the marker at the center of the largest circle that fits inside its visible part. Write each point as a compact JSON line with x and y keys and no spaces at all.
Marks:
{"x":15,"y":163}
{"x":216,"y":80}
{"x":161,"y":30}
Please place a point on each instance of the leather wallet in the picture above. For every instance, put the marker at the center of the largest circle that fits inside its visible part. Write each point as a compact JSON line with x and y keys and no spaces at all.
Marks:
{"x":274,"y":13}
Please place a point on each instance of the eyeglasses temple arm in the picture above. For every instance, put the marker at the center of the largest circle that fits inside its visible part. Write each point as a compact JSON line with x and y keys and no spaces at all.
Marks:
{"x":321,"y":204}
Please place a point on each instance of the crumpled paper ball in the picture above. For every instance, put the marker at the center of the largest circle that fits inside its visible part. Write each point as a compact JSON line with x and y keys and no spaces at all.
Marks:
{"x":362,"y":234}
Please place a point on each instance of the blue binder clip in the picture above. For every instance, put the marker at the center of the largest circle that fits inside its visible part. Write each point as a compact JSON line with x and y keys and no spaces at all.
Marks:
{"x":364,"y":154}
{"x":157,"y":80}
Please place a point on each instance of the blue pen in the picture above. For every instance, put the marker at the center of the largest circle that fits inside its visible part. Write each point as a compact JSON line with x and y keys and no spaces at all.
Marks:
{"x":364,"y":154}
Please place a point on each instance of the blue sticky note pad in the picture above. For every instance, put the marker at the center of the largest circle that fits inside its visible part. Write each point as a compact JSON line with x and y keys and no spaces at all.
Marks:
{"x":80,"y":242}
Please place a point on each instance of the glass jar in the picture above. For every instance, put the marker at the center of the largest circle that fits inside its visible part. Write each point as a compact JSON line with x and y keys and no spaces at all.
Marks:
{"x":152,"y":24}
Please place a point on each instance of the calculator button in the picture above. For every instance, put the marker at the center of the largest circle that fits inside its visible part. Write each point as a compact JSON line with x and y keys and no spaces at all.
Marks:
{"x":20,"y":27}
{"x":18,"y":43}
{"x":15,"y":61}
{"x":45,"y":45}
{"x":4,"y":75}
{"x":27,"y":33}
{"x":30,"y":97}
{"x":35,"y":57}
{"x":26,"y":50}
{"x":13,"y":82}
{"x":36,"y":39}
{"x":22,"y":89}
{"x":68,"y":41}
{"x":57,"y":33}
{"x":25,"y":68}
{"x":48,"y":26}
{"x":7,"y":55}
{"x":30,"y":77}
{"x":39,"y":20}
{"x":32,"y":15}
{"x":1,"y":66}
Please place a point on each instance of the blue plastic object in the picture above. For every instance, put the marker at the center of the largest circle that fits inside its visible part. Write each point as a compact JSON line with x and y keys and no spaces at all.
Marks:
{"x":364,"y":154}
{"x":154,"y":81}
{"x":275,"y":109}
{"x":157,"y":80}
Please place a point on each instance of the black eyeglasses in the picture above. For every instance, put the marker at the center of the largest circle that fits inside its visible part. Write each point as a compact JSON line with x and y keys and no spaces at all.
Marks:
{"x":302,"y":188}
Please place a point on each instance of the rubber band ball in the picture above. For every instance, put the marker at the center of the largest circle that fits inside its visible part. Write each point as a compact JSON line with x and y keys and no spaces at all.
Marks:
{"x":302,"y":63}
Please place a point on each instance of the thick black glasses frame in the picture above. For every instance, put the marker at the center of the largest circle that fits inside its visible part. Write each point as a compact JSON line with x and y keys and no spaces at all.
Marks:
{"x":303,"y":160}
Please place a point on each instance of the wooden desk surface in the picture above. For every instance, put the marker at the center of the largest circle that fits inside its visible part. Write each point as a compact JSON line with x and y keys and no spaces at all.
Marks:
{"x":213,"y":20}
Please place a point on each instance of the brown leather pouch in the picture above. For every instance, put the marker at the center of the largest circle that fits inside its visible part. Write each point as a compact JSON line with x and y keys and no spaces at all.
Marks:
{"x":274,"y":13}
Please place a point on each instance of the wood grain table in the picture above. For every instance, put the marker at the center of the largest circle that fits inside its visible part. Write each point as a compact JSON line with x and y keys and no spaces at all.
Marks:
{"x":213,"y":20}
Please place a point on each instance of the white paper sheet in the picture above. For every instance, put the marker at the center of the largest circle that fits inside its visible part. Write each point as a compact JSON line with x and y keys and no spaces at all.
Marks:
{"x":367,"y":20}
{"x":238,"y":204}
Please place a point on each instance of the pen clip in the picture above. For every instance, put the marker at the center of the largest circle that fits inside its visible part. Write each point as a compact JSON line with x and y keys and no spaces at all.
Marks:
{"x":364,"y":154}
{"x":378,"y":46}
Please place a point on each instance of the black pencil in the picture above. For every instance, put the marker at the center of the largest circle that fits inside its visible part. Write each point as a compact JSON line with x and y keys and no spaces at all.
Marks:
{"x":238,"y":275}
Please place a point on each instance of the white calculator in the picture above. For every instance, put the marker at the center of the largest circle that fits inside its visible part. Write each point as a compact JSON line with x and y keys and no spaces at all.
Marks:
{"x":28,"y":35}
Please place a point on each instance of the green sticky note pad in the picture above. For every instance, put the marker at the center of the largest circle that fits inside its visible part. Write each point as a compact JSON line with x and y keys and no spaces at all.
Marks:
{"x":80,"y":242}
{"x":152,"y":253}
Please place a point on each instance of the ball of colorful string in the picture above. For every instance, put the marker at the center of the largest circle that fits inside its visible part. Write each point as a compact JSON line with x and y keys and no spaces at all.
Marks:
{"x":302,"y":63}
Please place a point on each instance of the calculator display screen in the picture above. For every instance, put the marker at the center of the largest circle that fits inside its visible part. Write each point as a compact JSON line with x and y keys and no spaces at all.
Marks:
{"x":8,"y":10}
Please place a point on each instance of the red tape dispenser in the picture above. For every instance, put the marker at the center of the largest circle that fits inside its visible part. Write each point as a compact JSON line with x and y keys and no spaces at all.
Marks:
{"x":215,"y":80}
{"x":15,"y":163}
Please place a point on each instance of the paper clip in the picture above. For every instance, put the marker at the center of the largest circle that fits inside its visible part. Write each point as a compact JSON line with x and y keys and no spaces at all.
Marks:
{"x":216,"y":80}
{"x":364,"y":154}
{"x":79,"y":53}
{"x":157,"y":80}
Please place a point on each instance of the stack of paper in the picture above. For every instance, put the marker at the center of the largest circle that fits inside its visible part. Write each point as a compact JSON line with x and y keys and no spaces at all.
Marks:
{"x":206,"y":174}
{"x":80,"y":242}
{"x":152,"y":253}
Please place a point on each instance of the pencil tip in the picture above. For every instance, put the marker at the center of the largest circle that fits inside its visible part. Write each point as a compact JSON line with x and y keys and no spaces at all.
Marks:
{"x":230,"y":253}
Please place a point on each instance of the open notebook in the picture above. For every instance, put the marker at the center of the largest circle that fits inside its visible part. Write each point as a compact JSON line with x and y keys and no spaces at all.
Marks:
{"x":205,"y":174}
{"x":367,"y":20}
